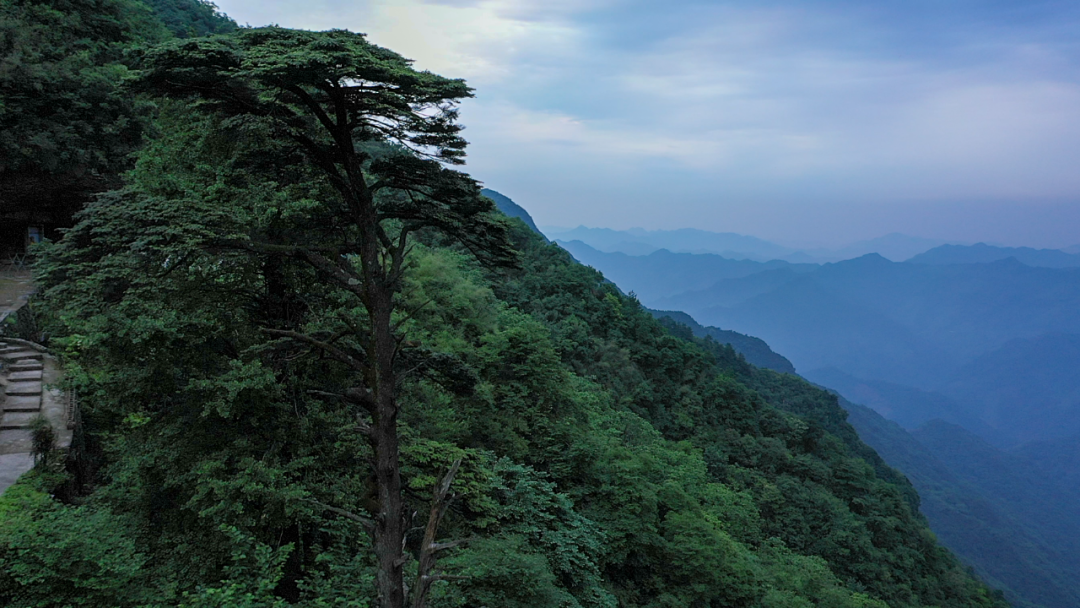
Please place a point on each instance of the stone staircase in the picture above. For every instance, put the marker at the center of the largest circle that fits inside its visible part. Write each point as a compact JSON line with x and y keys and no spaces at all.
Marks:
{"x":22,"y":369}
{"x":27,"y":377}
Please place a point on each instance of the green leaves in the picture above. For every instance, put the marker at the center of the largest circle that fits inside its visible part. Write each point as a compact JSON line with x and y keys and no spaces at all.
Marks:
{"x":336,"y":80}
{"x":51,"y":554}
{"x":66,"y":125}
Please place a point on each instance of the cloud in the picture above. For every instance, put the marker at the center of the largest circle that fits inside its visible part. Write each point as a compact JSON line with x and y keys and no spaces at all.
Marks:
{"x":767,"y":104}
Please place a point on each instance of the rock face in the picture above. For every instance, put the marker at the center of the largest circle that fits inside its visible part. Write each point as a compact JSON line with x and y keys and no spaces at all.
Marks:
{"x":28,"y":377}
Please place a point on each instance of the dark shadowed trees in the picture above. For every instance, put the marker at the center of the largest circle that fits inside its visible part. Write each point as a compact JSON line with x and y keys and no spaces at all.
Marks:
{"x":66,"y":124}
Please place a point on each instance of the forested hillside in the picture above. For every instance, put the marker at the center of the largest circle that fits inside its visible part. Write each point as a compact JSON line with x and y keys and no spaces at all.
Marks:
{"x":66,"y":127}
{"x":755,"y":350}
{"x":1010,"y":520}
{"x":317,"y":368}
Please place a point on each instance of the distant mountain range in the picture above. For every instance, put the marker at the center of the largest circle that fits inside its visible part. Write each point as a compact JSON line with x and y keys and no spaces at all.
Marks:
{"x":638,"y":241}
{"x":981,"y":253}
{"x":909,"y":324}
{"x":663,"y":272}
{"x":894,"y":247}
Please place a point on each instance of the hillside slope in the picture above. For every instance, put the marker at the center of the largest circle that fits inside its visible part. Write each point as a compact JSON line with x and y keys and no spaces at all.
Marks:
{"x":970,"y":517}
{"x":510,"y":208}
{"x":755,"y":350}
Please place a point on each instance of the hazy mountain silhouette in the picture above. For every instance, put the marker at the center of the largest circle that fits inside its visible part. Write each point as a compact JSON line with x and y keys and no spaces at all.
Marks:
{"x":911,"y":324}
{"x":1029,"y":389}
{"x":917,"y":326}
{"x":983,"y":253}
{"x":663,"y":271}
{"x":909,"y":407}
{"x":637,"y":241}
{"x":894,"y":246}
{"x":1059,"y":458}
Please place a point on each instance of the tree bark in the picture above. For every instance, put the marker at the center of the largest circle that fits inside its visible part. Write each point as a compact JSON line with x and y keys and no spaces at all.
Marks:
{"x":389,"y":523}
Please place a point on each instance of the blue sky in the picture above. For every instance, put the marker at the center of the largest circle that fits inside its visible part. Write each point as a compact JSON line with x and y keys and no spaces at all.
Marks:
{"x":808,"y":123}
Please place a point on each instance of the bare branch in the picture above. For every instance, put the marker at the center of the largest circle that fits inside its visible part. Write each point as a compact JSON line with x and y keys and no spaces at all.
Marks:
{"x":429,"y":549}
{"x":449,"y":545}
{"x":444,"y":487}
{"x":367,"y":522}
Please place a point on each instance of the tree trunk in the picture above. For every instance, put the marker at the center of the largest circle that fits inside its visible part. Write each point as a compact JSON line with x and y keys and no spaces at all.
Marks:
{"x":390,"y":521}
{"x":390,"y":524}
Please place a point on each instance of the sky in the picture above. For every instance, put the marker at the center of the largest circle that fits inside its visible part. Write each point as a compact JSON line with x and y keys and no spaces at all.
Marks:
{"x":809,"y":123}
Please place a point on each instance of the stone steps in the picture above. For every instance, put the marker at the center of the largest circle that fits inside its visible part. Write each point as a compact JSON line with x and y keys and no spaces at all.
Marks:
{"x":17,"y":420}
{"x":29,"y":365}
{"x":21,"y":355}
{"x":25,"y":376}
{"x":22,"y":403}
{"x":24,"y":388}
{"x":15,"y":441}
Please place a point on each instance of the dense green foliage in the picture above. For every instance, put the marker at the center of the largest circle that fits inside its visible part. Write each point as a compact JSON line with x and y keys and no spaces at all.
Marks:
{"x":607,"y":460}
{"x":755,"y":350}
{"x":188,"y":18}
{"x":511,"y":209}
{"x":65,"y":123}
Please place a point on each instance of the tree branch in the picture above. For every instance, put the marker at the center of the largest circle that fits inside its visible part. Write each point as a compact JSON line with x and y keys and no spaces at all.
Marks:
{"x":315,"y":108}
{"x":429,"y":549}
{"x":352,"y":396}
{"x":331,"y":350}
{"x":339,"y":272}
{"x":366,"y":522}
